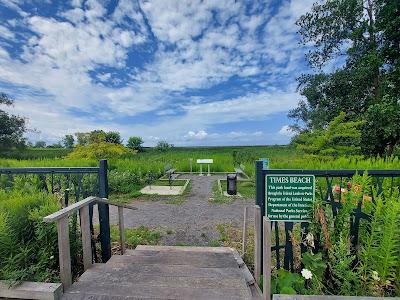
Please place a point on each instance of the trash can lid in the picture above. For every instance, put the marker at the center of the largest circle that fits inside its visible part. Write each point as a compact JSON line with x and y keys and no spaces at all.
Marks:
{"x":232,"y":176}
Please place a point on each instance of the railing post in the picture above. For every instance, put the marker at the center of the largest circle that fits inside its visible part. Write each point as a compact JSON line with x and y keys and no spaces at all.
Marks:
{"x":104,"y":218}
{"x":267,"y":259}
{"x":257,"y":243}
{"x":260,"y":202}
{"x":244,"y":233}
{"x":64,"y":252}
{"x":86,"y":237}
{"x":121,"y":228}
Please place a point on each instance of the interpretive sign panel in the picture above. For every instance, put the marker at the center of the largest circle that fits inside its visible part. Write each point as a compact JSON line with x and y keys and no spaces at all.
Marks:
{"x":289,"y":198}
{"x":205,"y":161}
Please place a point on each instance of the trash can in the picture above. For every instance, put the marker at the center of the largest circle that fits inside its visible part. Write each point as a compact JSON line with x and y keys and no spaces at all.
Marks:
{"x":231,"y":180}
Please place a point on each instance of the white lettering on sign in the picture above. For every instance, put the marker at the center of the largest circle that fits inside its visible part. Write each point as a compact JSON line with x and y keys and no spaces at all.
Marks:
{"x":205,"y":161}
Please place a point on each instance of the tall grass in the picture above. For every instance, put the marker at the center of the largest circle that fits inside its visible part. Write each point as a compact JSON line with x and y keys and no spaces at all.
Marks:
{"x":225,"y":159}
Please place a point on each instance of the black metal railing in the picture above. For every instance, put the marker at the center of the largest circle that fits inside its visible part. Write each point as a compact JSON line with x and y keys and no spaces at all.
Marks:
{"x":326,"y":196}
{"x":71,"y":184}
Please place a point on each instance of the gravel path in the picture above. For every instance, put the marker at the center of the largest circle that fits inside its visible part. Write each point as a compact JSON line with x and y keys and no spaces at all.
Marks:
{"x":192,"y":222}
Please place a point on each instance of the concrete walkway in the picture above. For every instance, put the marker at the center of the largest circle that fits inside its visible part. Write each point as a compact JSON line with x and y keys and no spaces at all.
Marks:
{"x":192,"y":222}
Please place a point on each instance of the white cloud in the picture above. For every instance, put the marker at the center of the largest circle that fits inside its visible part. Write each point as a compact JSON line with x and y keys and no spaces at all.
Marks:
{"x":198,"y":44}
{"x":199,"y":135}
{"x":286,"y":131}
{"x":6,"y":33}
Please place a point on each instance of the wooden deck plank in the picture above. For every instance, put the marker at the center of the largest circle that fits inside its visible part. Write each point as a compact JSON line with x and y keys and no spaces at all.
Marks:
{"x":167,"y":281}
{"x":93,"y":290}
{"x":176,"y":259}
{"x":166,"y":270}
{"x":31,"y":290}
{"x":182,"y":249}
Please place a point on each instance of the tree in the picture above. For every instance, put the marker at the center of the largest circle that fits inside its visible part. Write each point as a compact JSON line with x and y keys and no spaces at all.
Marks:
{"x":163,"y":146}
{"x":68,"y":141}
{"x":40,"y":144}
{"x":82,"y":138}
{"x":135,"y":143}
{"x":96,"y":136}
{"x":55,"y":145}
{"x":382,"y":129}
{"x":12,"y":128}
{"x":339,"y":138}
{"x":361,"y":38}
{"x":113,"y":137}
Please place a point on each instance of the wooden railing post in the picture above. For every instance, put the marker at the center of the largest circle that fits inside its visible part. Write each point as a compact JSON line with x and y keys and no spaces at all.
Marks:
{"x":267,"y":259}
{"x":64,"y":252}
{"x":121,"y":228}
{"x":257,"y":243}
{"x":86,"y":237}
{"x":244,"y":245}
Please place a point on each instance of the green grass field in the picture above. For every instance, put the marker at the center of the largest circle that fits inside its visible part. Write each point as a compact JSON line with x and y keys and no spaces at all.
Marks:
{"x":225,"y":159}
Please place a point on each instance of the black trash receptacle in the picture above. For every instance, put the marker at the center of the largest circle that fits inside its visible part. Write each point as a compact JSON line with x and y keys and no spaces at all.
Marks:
{"x":231,"y":187}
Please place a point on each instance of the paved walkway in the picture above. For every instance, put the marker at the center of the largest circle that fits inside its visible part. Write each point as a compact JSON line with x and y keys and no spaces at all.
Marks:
{"x":192,"y":222}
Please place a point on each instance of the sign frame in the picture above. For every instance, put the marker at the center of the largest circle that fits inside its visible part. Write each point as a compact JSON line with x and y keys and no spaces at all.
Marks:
{"x":288,"y":175}
{"x":265,"y":163}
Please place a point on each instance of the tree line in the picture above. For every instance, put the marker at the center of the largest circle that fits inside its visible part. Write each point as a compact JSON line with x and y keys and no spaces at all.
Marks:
{"x":355,"y":57}
{"x":13,"y":128}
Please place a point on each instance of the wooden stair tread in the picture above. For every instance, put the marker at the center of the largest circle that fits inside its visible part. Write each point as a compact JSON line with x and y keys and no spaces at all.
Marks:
{"x":201,"y":260}
{"x":152,"y":272}
{"x":164,"y":270}
{"x":94,"y":290}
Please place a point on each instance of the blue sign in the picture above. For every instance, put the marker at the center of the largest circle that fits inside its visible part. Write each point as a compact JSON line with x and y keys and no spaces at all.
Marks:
{"x":265,"y":163}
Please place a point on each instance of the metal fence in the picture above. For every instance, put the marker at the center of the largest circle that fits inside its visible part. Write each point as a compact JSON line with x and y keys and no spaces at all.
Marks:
{"x":71,"y":184}
{"x":327,"y":198}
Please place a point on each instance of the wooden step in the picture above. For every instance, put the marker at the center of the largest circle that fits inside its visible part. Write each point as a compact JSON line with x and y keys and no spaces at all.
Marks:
{"x":165,"y":270}
{"x":205,"y":260}
{"x":182,"y":249}
{"x":93,"y":290}
{"x":113,"y":275}
{"x":153,"y":272}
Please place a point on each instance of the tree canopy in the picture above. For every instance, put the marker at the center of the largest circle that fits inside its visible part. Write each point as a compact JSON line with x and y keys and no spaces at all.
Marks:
{"x":68,"y":141}
{"x":135,"y":143}
{"x":339,"y":138}
{"x":12,"y":128}
{"x":361,"y":38}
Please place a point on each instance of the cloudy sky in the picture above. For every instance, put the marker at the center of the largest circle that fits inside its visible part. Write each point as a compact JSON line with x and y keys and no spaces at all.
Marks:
{"x":190,"y":72}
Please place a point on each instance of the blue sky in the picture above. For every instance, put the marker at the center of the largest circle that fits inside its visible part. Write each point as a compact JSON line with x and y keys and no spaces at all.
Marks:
{"x":189,"y":72}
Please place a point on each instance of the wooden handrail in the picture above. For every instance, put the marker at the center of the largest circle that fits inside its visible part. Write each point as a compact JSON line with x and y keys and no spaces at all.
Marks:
{"x":67,"y":211}
{"x":61,"y":217}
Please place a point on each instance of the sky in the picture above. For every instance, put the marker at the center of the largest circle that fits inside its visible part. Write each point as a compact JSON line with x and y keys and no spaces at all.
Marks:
{"x":189,"y":72}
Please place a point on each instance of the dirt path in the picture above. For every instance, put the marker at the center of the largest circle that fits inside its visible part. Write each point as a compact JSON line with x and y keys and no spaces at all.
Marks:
{"x":192,"y":222}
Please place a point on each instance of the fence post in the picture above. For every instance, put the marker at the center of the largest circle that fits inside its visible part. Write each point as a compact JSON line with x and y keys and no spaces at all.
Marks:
{"x":104,"y":218}
{"x":260,"y":202}
{"x":257,"y":243}
{"x":267,"y":259}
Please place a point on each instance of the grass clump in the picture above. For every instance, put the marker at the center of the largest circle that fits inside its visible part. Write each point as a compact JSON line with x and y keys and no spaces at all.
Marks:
{"x":28,"y":246}
{"x":141,"y":235}
{"x":231,"y":236}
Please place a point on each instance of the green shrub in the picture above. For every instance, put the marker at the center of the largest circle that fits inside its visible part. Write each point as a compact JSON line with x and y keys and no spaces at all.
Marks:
{"x":28,"y":247}
{"x":99,"y":150}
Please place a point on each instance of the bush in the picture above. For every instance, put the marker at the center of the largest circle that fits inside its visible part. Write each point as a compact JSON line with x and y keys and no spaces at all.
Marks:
{"x":163,"y":146}
{"x":99,"y":150}
{"x":123,"y":181}
{"x":28,"y":247}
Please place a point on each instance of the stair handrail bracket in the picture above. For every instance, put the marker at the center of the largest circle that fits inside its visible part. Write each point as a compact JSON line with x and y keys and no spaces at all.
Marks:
{"x":61,"y":218}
